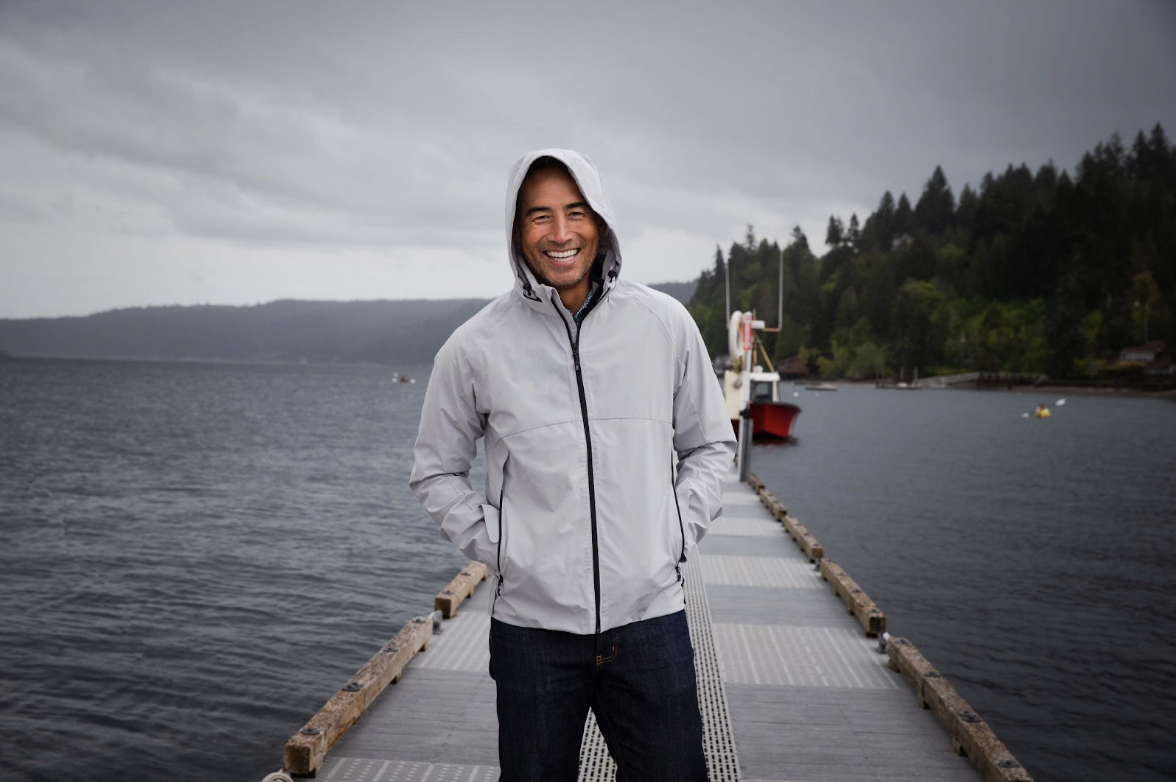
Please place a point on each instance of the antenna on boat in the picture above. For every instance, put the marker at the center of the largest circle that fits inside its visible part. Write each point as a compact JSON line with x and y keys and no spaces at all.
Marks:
{"x":780,"y":311}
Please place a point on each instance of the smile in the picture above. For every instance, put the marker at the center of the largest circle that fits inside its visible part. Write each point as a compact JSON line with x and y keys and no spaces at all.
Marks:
{"x":561,"y":254}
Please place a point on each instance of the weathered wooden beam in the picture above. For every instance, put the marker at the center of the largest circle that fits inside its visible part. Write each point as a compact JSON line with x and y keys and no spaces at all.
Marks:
{"x":773,"y":504}
{"x":970,"y":735}
{"x":871,"y":618}
{"x":461,"y":587}
{"x":808,"y":544}
{"x":306,"y":749}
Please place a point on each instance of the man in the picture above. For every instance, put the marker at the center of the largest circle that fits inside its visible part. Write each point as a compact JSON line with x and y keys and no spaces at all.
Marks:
{"x":585,"y":387}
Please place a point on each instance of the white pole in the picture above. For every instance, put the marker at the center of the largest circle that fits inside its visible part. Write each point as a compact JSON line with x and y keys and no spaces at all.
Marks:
{"x":727,"y":286}
{"x":745,"y":424}
{"x":780,"y":312}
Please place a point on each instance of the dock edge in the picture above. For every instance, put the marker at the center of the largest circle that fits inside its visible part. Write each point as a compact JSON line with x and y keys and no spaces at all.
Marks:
{"x":305,"y":751}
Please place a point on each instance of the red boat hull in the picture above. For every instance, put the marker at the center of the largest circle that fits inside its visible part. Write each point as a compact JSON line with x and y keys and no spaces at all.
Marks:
{"x":771,"y":420}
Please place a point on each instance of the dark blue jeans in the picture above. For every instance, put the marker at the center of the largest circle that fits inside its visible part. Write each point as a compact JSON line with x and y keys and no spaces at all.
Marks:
{"x":637,"y":679}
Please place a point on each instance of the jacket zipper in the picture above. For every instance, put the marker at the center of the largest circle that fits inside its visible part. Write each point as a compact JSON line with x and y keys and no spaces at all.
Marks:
{"x":501,"y":535}
{"x":575,"y":341}
{"x":681,"y":526}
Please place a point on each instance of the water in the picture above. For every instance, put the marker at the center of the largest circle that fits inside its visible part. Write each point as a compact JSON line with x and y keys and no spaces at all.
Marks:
{"x":1033,"y":562}
{"x":197,"y":556}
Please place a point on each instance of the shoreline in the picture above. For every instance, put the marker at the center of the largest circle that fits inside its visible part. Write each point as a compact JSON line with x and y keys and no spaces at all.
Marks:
{"x":1049,"y":389}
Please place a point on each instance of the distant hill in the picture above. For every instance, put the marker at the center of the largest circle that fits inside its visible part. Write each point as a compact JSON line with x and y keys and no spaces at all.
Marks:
{"x":386,"y":332}
{"x":682,"y":291}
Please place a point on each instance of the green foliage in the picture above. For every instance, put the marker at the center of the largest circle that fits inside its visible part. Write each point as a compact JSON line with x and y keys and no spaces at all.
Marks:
{"x":1031,"y":272}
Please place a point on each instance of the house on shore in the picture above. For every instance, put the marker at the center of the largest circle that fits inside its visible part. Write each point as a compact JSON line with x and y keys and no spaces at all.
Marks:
{"x":1153,"y":356}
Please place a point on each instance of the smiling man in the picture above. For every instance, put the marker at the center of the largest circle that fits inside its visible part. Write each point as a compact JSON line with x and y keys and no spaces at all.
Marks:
{"x":607,"y":442}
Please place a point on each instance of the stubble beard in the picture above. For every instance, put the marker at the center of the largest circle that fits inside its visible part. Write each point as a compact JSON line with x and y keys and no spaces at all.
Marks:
{"x":565,"y":287}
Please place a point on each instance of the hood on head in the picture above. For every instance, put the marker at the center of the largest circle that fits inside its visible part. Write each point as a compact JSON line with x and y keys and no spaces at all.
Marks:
{"x":588,"y":180}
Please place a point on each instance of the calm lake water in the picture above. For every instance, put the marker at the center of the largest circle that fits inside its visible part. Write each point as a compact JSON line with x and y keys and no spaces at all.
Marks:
{"x":196,"y":556}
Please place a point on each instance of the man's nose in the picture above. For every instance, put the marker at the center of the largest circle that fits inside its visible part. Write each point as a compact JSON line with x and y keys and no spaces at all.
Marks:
{"x":561,"y":230}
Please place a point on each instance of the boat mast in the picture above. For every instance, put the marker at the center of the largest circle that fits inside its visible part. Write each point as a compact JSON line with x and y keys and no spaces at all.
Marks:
{"x":727,"y":286}
{"x":780,"y":311}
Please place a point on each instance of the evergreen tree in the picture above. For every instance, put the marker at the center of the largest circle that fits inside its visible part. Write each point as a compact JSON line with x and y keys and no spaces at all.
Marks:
{"x":879,"y":229}
{"x":853,"y":234}
{"x":904,"y":217}
{"x":966,"y":208}
{"x":799,"y":239}
{"x":936,"y":207}
{"x":834,"y":234}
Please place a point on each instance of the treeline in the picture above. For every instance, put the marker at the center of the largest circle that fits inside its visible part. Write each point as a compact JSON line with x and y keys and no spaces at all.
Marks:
{"x":1038,"y":272}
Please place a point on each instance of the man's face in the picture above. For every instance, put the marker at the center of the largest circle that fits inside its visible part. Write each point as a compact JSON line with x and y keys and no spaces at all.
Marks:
{"x":557,"y":233}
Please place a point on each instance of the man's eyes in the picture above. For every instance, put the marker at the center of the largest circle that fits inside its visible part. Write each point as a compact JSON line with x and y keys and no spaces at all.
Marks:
{"x":575,"y":214}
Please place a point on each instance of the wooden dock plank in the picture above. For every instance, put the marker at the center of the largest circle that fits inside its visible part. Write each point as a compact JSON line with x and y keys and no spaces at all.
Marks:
{"x":857,"y":602}
{"x":460,"y":588}
{"x":305,"y":751}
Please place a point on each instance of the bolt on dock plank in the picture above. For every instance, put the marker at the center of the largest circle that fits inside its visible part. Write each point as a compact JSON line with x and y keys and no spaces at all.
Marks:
{"x":789,"y":684}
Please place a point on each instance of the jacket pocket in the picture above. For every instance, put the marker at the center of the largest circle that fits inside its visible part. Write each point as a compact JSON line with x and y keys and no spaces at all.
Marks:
{"x":497,"y":532}
{"x":493,"y":529}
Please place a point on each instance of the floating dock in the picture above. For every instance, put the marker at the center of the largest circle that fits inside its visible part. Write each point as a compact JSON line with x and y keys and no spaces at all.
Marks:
{"x":797,"y":680}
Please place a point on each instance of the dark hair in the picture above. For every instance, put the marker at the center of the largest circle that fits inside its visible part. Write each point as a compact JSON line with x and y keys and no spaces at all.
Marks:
{"x":548,"y":163}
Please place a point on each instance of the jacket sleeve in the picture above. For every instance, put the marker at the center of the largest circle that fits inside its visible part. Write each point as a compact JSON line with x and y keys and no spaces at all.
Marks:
{"x":445,"y":447}
{"x":703,"y":436}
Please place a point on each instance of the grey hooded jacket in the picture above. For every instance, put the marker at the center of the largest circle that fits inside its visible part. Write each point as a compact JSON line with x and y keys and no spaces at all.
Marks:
{"x":585,"y":517}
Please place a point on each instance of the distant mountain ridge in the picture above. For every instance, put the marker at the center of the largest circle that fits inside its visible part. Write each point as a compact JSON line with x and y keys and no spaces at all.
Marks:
{"x":383,"y":331}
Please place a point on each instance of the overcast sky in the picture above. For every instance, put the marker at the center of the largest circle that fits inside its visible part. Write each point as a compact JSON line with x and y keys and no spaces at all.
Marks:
{"x":240,"y":152}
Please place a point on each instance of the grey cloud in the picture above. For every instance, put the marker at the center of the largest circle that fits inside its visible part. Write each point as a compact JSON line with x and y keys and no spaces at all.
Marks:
{"x":391,"y":125}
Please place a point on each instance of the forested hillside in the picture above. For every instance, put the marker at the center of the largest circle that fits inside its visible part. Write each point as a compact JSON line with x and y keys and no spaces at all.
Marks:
{"x":1033,"y":272}
{"x":387,"y":332}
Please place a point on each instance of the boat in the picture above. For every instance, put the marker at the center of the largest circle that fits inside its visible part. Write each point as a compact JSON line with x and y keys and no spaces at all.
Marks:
{"x":748,"y":384}
{"x":821,"y":387}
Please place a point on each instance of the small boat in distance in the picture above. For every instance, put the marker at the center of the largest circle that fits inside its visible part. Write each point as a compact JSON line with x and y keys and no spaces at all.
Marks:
{"x":746,"y":384}
{"x":821,"y":387}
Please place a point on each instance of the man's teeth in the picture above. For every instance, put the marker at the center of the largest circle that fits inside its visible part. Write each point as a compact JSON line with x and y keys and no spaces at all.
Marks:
{"x":563,"y":254}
